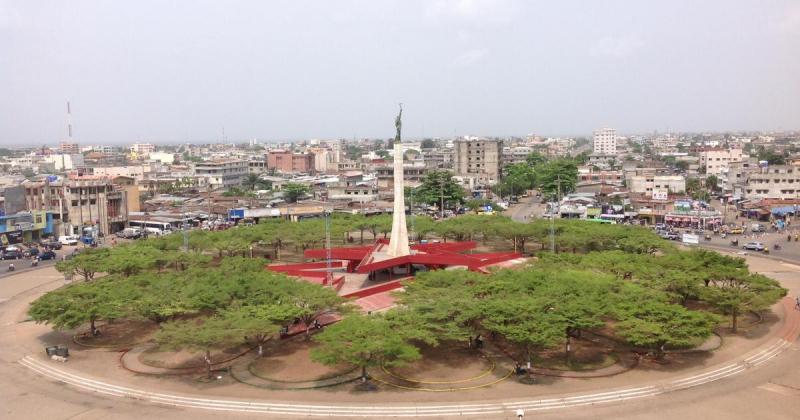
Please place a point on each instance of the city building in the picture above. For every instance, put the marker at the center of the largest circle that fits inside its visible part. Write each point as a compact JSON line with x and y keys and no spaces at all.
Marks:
{"x":70,"y":148}
{"x":65,"y":162}
{"x":781,"y":182}
{"x":287,"y":161}
{"x":140,"y":150}
{"x":716,"y":160}
{"x":25,"y":226}
{"x":79,"y":203}
{"x":605,"y":142}
{"x":657,"y":184}
{"x":222,"y":173}
{"x":163,"y":157}
{"x":478,"y":158}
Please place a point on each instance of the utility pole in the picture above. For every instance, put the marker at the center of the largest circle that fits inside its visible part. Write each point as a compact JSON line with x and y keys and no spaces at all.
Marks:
{"x":441,"y":187}
{"x":328,"y":267}
{"x":553,"y":215}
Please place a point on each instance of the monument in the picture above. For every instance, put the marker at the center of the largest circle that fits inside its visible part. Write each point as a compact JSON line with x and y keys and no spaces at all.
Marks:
{"x":398,"y":242}
{"x":395,"y":257}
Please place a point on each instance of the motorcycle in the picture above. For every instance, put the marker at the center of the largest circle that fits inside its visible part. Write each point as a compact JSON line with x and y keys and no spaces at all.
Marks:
{"x":11,"y":267}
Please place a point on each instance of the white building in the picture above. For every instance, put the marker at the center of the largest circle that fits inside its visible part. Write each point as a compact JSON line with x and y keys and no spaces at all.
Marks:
{"x":781,"y":181}
{"x":163,"y":157}
{"x":657,"y":183}
{"x":65,"y":162}
{"x":716,"y":160}
{"x":222,"y":173}
{"x":142,"y":149}
{"x":605,"y":141}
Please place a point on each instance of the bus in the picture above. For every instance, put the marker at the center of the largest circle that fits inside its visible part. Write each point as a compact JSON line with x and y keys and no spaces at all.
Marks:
{"x":158,"y":228}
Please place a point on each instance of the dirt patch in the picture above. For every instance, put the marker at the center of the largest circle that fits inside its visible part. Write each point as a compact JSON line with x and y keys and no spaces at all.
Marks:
{"x":119,"y":334}
{"x":445,"y":363}
{"x":290,"y":361}
{"x":157,"y":357}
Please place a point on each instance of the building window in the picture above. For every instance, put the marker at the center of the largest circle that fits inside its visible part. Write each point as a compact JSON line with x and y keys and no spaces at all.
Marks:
{"x":74,"y":203}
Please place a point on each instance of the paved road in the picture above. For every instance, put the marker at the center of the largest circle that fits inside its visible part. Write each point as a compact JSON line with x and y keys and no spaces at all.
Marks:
{"x":768,"y":392}
{"x":528,"y":208}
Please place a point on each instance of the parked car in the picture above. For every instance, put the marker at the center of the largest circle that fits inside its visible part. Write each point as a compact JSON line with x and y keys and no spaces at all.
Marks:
{"x":12,"y":254}
{"x":50,"y":244}
{"x":30,"y":252}
{"x":757,"y":227}
{"x":47,"y":255}
{"x":754,"y":246}
{"x":130,"y":233}
{"x":68,"y":240}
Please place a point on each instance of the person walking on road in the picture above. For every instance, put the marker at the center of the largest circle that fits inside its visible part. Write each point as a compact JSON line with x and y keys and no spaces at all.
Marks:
{"x":797,"y":303}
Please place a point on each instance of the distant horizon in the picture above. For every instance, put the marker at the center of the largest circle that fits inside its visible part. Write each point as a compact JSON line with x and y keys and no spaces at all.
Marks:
{"x":411,"y":139}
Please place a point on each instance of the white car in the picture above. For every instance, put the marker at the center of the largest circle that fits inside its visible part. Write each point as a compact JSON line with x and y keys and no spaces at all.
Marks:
{"x":68,"y":240}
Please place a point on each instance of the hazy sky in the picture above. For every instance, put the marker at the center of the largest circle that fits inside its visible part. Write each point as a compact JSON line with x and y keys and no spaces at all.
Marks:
{"x":168,"y":71}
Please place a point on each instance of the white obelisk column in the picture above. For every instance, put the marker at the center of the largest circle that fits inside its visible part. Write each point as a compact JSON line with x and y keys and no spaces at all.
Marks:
{"x":398,"y":243}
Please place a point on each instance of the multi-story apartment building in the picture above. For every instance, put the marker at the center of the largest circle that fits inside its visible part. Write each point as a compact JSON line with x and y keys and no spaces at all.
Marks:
{"x":287,"y":161}
{"x":648,"y":184}
{"x":781,"y":181}
{"x":716,"y":160}
{"x":222,"y":173}
{"x":69,"y":148}
{"x":605,"y":141}
{"x":514,"y":155}
{"x":478,"y":158}
{"x":80,"y":202}
{"x":142,"y":149}
{"x":411,"y":174}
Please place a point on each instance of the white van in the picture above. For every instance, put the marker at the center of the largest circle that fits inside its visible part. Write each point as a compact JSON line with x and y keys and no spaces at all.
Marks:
{"x":68,"y":240}
{"x":151,"y":231}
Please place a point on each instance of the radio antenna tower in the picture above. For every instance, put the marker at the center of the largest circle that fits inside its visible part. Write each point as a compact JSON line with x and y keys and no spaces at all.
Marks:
{"x":69,"y":123}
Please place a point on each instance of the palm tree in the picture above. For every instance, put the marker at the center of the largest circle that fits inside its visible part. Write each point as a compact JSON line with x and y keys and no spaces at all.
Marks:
{"x":253,"y":181}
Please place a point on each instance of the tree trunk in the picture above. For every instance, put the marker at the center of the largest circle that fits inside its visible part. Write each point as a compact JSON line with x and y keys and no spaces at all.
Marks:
{"x":364,"y":374}
{"x":207,"y":358}
{"x":660,"y":352}
{"x":92,"y":327}
{"x":362,"y":236}
{"x":528,"y":356}
{"x":734,"y":320}
{"x":567,"y":346}
{"x":260,"y":349}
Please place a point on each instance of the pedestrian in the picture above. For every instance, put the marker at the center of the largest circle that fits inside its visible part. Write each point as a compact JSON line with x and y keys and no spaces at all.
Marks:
{"x":797,"y":303}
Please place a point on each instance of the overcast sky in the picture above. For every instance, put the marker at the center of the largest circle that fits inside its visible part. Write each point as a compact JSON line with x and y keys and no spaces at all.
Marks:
{"x":171,"y":71}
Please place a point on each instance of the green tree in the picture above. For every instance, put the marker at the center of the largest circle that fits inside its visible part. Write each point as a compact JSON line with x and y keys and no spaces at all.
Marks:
{"x":293,"y":191}
{"x":363,"y":341}
{"x":428,"y":144}
{"x":78,"y":304}
{"x":259,"y":323}
{"x":736,"y":291}
{"x":313,"y":301}
{"x":655,"y":325}
{"x":202,"y":335}
{"x":535,"y":159}
{"x":447,"y":302}
{"x":438,"y":186}
{"x":557,"y":176}
{"x":712,"y":183}
{"x":254,"y":181}
{"x":128,"y":260}
{"x":524,"y":320}
{"x":86,"y":264}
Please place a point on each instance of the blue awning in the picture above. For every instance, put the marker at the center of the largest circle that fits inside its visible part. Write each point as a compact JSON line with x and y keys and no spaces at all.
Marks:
{"x":781,"y":211}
